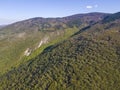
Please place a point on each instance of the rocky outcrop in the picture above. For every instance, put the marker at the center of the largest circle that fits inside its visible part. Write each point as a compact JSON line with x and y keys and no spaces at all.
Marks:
{"x":27,"y":52}
{"x":43,"y":41}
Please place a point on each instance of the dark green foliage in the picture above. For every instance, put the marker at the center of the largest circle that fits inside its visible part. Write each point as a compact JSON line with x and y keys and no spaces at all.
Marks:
{"x":80,"y":63}
{"x":18,"y":37}
{"x":89,"y":60}
{"x":112,"y":17}
{"x":76,"y":23}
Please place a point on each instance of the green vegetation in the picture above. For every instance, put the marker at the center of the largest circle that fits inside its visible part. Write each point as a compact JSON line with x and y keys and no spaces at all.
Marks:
{"x":19,"y":36}
{"x":84,"y":57}
{"x":67,"y":33}
{"x":12,"y":52}
{"x":86,"y":61}
{"x":112,"y":17}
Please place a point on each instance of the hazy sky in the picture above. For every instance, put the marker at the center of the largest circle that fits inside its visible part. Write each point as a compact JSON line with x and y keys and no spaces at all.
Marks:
{"x":14,"y":10}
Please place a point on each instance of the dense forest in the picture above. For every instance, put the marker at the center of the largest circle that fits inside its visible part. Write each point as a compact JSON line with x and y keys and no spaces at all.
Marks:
{"x":88,"y":60}
{"x":18,"y":37}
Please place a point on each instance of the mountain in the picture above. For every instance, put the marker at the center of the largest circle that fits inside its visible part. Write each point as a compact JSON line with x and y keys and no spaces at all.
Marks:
{"x":88,"y":60}
{"x":40,"y":23}
{"x":112,"y":17}
{"x":1,"y":26}
{"x":24,"y":40}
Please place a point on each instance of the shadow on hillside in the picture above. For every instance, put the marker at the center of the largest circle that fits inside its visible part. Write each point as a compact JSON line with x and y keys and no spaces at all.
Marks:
{"x":81,"y":30}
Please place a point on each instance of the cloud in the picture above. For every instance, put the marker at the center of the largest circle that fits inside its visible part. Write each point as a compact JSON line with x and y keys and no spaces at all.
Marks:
{"x":91,"y":6}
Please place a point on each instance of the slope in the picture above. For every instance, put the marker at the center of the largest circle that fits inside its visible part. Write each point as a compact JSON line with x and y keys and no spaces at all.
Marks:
{"x":89,"y":60}
{"x":23,"y":38}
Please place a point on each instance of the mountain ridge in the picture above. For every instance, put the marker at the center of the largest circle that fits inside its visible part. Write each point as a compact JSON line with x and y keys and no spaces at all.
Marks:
{"x":87,"y":60}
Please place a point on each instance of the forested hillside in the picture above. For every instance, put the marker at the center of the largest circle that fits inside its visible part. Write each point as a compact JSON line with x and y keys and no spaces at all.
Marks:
{"x":30,"y":37}
{"x":88,"y":60}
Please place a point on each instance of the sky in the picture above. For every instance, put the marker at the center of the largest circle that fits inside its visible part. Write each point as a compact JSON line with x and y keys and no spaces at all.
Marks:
{"x":16,"y":10}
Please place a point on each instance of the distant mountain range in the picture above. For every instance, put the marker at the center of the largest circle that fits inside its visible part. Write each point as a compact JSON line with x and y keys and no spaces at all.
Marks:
{"x":1,"y":26}
{"x":78,"y":52}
